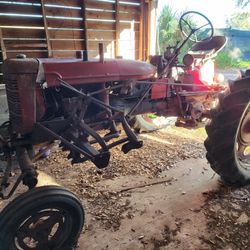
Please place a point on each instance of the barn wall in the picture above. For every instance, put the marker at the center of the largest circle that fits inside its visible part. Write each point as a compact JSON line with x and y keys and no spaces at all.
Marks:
{"x":59,"y":28}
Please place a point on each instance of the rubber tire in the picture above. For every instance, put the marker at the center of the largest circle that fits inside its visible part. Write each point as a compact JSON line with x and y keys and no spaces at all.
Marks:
{"x":222,"y":130}
{"x":36,"y":200}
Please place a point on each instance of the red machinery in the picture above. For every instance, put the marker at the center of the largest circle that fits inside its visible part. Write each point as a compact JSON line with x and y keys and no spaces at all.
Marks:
{"x":71,"y":100}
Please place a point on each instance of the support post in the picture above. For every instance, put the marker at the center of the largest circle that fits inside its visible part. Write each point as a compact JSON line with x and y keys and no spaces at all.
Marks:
{"x":4,"y":54}
{"x":85,"y":27}
{"x":117,"y":27}
{"x":50,"y":53}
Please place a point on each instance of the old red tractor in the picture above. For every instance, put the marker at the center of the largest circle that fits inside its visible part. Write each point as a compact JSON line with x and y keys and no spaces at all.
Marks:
{"x":72,"y":100}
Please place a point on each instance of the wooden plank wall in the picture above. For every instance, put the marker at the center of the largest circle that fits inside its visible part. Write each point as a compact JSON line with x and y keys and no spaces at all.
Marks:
{"x":59,"y":28}
{"x":116,"y":24}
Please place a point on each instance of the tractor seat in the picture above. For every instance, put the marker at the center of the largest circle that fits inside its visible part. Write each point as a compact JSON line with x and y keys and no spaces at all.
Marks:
{"x":202,"y":53}
{"x":208,"y":48}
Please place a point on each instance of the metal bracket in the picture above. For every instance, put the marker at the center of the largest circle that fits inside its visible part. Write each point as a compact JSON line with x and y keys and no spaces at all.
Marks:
{"x":7,"y":196}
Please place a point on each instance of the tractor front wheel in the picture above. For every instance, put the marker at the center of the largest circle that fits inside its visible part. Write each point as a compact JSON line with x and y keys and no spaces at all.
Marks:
{"x":48,"y":217}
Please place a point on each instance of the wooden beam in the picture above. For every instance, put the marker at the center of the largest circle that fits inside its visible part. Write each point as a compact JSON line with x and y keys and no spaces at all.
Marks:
{"x":50,"y":52}
{"x":85,"y":27}
{"x":27,"y":45}
{"x":145,"y":29}
{"x":117,"y":27}
{"x":152,"y":26}
{"x":147,"y":39}
{"x":149,"y":8}
{"x":80,"y":34}
{"x":4,"y":55}
{"x":141,"y":43}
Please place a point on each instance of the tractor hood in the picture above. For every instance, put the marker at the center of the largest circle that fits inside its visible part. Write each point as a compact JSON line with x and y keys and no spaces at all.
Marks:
{"x":75,"y":71}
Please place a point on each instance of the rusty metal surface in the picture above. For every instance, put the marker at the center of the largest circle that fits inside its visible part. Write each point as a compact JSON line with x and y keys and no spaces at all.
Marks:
{"x":81,"y":72}
{"x":159,"y":89}
{"x":20,"y":80}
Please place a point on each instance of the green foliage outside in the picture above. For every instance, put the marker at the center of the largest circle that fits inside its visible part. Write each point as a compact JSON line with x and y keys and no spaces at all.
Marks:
{"x":224,"y":61}
{"x":169,"y":32}
{"x":239,"y":20}
{"x":244,"y":64}
{"x":243,"y":3}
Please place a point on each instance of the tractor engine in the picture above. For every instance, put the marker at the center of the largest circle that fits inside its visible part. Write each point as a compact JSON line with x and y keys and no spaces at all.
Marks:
{"x":35,"y":89}
{"x":70,"y":100}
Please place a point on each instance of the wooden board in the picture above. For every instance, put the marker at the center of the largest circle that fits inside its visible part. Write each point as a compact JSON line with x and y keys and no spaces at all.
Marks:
{"x":66,"y":34}
{"x":97,"y":35}
{"x":99,"y":5}
{"x":68,"y":3}
{"x":23,"y":33}
{"x":53,"y":11}
{"x":58,"y":26}
{"x":64,"y":53}
{"x":20,"y":9}
{"x":67,"y":45}
{"x":1,"y":65}
{"x":21,"y":21}
{"x":28,"y":53}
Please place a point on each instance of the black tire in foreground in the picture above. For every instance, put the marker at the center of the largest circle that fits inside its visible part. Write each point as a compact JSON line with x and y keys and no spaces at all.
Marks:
{"x":44,"y":218}
{"x":228,"y":141}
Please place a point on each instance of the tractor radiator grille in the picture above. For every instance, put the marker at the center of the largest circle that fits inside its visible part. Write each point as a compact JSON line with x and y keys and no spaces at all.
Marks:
{"x":14,"y":104}
{"x":19,"y":77}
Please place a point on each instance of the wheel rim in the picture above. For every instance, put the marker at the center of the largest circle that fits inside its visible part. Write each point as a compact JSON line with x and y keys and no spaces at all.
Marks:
{"x":46,"y":229}
{"x":242,"y":143}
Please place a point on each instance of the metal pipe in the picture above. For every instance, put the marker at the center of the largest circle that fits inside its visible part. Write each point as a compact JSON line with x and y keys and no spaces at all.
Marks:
{"x":168,"y":83}
{"x":70,"y":145}
{"x":87,"y":97}
{"x":101,"y":52}
{"x":27,"y":167}
{"x":140,"y":100}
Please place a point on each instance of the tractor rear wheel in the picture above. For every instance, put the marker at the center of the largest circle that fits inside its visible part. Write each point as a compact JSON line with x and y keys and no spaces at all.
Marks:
{"x":47,"y":217}
{"x":228,"y":141}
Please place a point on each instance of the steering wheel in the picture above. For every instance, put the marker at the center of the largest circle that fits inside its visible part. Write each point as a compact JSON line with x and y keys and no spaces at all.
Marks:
{"x":195,"y":26}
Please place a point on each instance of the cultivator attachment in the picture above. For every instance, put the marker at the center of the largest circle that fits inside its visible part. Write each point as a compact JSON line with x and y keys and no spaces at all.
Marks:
{"x":81,"y":139}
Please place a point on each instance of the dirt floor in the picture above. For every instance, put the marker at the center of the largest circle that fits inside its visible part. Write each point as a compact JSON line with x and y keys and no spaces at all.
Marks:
{"x":162,"y":196}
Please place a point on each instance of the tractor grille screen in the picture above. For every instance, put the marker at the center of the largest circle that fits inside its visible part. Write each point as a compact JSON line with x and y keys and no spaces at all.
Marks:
{"x":15,"y":110}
